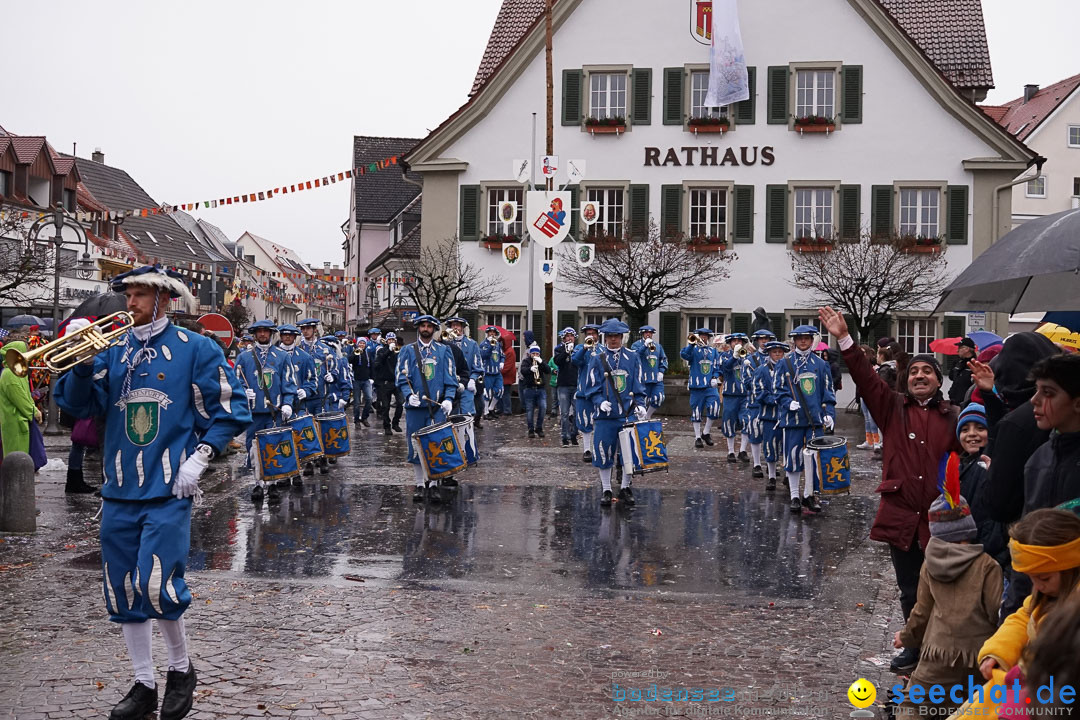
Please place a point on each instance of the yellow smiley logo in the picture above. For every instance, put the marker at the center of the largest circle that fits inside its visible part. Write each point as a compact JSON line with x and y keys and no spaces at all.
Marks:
{"x":862,"y":693}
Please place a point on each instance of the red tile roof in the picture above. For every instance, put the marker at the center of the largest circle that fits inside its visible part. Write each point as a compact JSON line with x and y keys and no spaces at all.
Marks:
{"x":950,"y":32}
{"x":1021,"y":118}
{"x":27,"y":147}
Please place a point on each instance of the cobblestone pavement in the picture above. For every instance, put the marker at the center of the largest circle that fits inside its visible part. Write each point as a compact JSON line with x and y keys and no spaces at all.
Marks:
{"x":519,"y":597}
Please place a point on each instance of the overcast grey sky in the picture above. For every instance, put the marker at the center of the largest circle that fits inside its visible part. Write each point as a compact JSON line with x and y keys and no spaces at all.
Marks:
{"x":198,"y":100}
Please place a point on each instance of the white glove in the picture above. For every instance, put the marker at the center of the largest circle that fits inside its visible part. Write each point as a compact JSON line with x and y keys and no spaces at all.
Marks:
{"x":186,"y":482}
{"x":715,"y":382}
{"x":829,"y":423}
{"x":794,"y":406}
{"x":286,"y":412}
{"x":414,"y":400}
{"x":447,"y":407}
{"x":641,"y":412}
{"x":342,"y":403}
{"x":250,"y":394}
{"x":460,"y":387}
{"x":75,"y":325}
{"x":471,"y":386}
{"x":301,"y":394}
{"x":328,"y":377}
{"x":501,"y":367}
{"x":605,"y":406}
{"x":659,"y":377}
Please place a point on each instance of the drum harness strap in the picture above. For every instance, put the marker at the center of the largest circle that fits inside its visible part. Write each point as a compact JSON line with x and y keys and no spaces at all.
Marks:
{"x":795,"y":387}
{"x":259,"y":382}
{"x":423,"y":381}
{"x":611,"y":384}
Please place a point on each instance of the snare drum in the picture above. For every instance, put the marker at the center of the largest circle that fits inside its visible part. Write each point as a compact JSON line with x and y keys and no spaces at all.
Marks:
{"x":643,"y":442}
{"x":438,"y":450}
{"x":832,"y":472}
{"x":466,"y":438}
{"x":307,"y":438}
{"x":277,"y":454}
{"x":334,"y":429}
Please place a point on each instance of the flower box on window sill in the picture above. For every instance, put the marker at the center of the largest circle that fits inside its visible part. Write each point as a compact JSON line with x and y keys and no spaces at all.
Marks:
{"x":709,"y":125}
{"x":815,"y":124}
{"x":922,"y":247}
{"x":495,"y":242}
{"x":706,"y":245}
{"x":607,"y":243}
{"x":805,"y":245}
{"x":605,"y":126}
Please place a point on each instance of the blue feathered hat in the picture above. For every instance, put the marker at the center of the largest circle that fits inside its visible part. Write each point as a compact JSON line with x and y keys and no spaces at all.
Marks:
{"x":646,"y":328}
{"x":263,"y":324}
{"x":804,"y":330}
{"x":614,"y":326}
{"x":308,"y":321}
{"x":288,"y":328}
{"x":777,"y":345}
{"x":763,"y":333}
{"x":154,"y":276}
{"x":568,"y":331}
{"x":427,"y":318}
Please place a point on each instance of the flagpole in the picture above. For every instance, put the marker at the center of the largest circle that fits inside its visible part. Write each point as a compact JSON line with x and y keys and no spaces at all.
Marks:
{"x":549,"y":302}
{"x":532,"y":243}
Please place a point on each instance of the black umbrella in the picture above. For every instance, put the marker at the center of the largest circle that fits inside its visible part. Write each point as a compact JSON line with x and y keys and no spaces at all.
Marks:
{"x":1034,"y":267}
{"x":101,"y":305}
{"x":25,"y":321}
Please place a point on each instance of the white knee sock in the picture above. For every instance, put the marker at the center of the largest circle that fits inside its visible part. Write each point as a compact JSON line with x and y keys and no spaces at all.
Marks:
{"x":418,"y":475}
{"x":137,"y":638}
{"x":697,"y":429}
{"x":755,"y":451}
{"x":605,"y":479}
{"x":587,"y":439}
{"x":745,"y":442}
{"x":649,"y":413}
{"x":808,"y":481}
{"x":730,"y":445}
{"x":772,"y":469}
{"x":627,"y":478}
{"x":175,"y":643}
{"x":793,"y":483}
{"x":708,"y":425}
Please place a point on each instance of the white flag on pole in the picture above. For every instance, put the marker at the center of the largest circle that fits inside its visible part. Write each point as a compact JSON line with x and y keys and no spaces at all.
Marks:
{"x":727,"y":66}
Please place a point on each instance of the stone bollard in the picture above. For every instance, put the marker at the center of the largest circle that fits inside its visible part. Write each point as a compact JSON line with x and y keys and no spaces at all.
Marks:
{"x":18,"y":510}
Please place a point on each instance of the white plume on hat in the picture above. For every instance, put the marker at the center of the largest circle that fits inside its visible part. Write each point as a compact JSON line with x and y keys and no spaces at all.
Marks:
{"x":175,"y":286}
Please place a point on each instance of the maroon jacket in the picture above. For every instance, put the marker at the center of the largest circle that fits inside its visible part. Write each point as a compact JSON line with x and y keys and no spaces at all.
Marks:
{"x":914,"y":439}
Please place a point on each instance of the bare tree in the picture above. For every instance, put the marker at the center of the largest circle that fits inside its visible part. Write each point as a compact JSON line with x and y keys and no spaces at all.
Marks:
{"x":26,"y":268}
{"x":441,"y":283}
{"x":644,"y":275}
{"x":238,"y":316}
{"x":871,"y":278}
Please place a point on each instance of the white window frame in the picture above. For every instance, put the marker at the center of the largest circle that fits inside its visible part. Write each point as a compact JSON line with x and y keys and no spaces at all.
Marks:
{"x":927,"y":221}
{"x":491,"y":208}
{"x":691,"y":189}
{"x":805,"y":317}
{"x":793,"y":89}
{"x":717,"y":320}
{"x":916,"y":333}
{"x":794,"y":190}
{"x":597,"y":316}
{"x":818,"y":96}
{"x":500,"y":316}
{"x":1069,"y":133}
{"x":693,"y":108}
{"x":607,"y":70}
{"x":586,"y":194}
{"x":1028,"y":192}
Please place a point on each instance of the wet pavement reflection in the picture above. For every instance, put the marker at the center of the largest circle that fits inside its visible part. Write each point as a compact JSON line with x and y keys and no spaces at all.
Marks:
{"x":681,"y":541}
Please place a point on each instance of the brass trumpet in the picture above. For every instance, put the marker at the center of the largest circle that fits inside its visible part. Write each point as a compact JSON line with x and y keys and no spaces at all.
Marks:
{"x":67,"y":352}
{"x":695,"y":339}
{"x":589,"y":342}
{"x":740,"y":351}
{"x":651,"y":344}
{"x":449,"y":335}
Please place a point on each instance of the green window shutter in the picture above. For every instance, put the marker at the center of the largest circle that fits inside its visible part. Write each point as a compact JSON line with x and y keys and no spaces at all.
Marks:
{"x":572,"y":235}
{"x":743,"y":112}
{"x":470,"y":318}
{"x":740,"y":322}
{"x":670,"y":210}
{"x":743,"y":209}
{"x":642,"y":89}
{"x":882,"y":329}
{"x":538,"y":334}
{"x":778,"y":94}
{"x":850,"y":213}
{"x":567,"y":318}
{"x":669,"y":335}
{"x":571,"y":97}
{"x":639,"y":211}
{"x":851,"y":94}
{"x":776,"y":324}
{"x":470,"y":212}
{"x":776,"y":213}
{"x":953,"y":326}
{"x":673,"y":96}
{"x":957,"y":216}
{"x":881,"y":211}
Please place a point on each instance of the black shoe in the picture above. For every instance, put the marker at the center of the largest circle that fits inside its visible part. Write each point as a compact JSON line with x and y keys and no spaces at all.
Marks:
{"x":771,"y":485}
{"x":332,"y":461}
{"x":387,"y":431}
{"x":256,"y":493}
{"x":573,"y":440}
{"x":449,"y":482}
{"x":626,"y":495}
{"x":812,"y":504}
{"x":532,"y":434}
{"x":586,"y":456}
{"x":566,"y":442}
{"x":731,"y":458}
{"x":309,"y":470}
{"x":282,"y":482}
{"x":905,"y":662}
{"x":708,"y":439}
{"x":324,"y":468}
{"x":76,"y":485}
{"x":397,"y":427}
{"x":758,"y":472}
{"x":179,"y":694}
{"x":297,"y":481}
{"x":138,"y":703}
{"x":418,"y":494}
{"x":540,"y":432}
{"x":796,"y":505}
{"x":605,"y":501}
{"x":744,"y":457}
{"x":698,"y":443}
{"x":433,"y":495}
{"x":356,"y":423}
{"x":364,"y":422}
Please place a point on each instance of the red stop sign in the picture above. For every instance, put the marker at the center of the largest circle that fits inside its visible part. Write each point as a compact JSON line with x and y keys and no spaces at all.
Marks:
{"x":220,"y":326}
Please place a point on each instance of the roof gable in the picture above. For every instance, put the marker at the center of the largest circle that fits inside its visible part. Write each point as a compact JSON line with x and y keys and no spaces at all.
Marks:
{"x":1021,"y":118}
{"x":380,"y":197}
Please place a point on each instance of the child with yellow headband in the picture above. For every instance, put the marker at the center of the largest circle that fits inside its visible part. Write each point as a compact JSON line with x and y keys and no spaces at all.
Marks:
{"x":1045,"y":546}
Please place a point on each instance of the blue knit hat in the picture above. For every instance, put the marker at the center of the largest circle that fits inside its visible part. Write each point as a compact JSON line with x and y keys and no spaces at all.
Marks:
{"x":975,"y":413}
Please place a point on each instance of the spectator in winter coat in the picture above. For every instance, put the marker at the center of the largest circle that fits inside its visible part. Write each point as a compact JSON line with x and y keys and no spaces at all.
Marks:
{"x":919,"y":428}
{"x":567,"y":385}
{"x":509,"y":374}
{"x":1052,"y":474}
{"x":960,"y":374}
{"x":17,"y":407}
{"x":971,"y":429}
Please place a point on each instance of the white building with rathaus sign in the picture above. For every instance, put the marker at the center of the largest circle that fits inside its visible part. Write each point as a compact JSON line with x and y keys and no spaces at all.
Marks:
{"x":907,"y":151}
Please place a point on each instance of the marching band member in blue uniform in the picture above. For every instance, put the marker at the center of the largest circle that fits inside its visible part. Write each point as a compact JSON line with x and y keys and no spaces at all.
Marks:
{"x":763,"y":400}
{"x":752,"y":426}
{"x":702,"y":360}
{"x":325,"y":361}
{"x":428,"y":380}
{"x":613,"y":384}
{"x":266,"y":372}
{"x":806,"y":404}
{"x":583,"y":408}
{"x":732,"y":369}
{"x":654,"y":365}
{"x":170,"y":403}
{"x":567,"y":385}
{"x":303,"y":366}
{"x":471,"y":350}
{"x":338,"y":390}
{"x":492,"y":356}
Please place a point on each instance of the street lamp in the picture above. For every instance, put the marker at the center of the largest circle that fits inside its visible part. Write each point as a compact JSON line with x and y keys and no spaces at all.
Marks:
{"x":84,"y":267}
